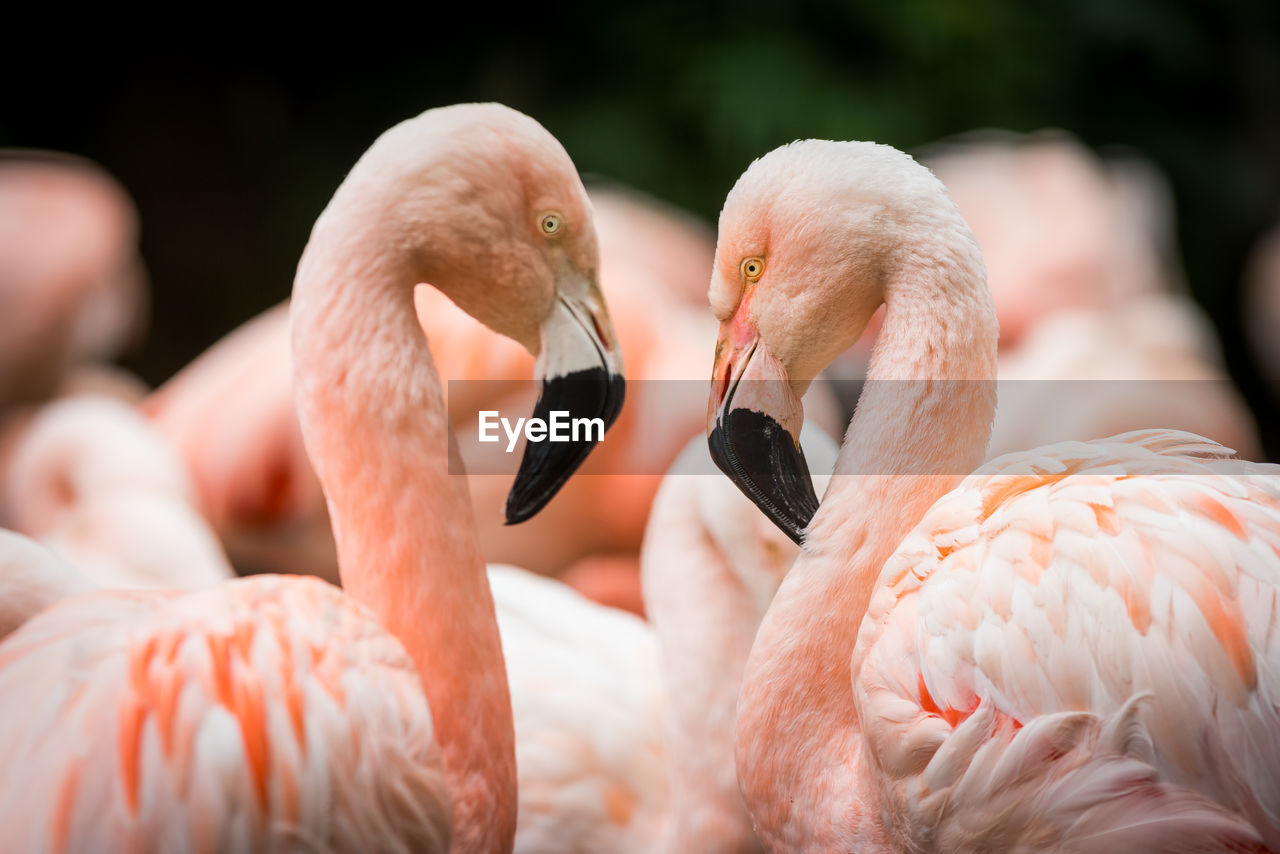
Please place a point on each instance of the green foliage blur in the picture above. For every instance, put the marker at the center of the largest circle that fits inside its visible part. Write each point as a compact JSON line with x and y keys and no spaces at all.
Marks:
{"x":232,"y":133}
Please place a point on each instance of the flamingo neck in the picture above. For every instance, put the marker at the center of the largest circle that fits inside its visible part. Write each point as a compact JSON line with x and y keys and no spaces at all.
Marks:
{"x":922,"y":423}
{"x":376,"y":429}
{"x":705,"y":619}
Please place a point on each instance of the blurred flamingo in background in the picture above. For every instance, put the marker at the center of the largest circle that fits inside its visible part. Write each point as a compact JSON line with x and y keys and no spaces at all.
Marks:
{"x":1083,"y":270}
{"x":1149,"y":360}
{"x":1058,"y":653}
{"x":93,"y":479}
{"x":72,"y":288}
{"x":586,"y":701}
{"x":1084,"y":275}
{"x":73,"y":294}
{"x":1059,"y":228}
{"x":640,"y":232}
{"x":230,"y":416}
{"x":274,"y":711}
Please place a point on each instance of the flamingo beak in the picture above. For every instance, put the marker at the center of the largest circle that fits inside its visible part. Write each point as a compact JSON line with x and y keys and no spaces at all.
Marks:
{"x":580,"y":369}
{"x":753,"y":429}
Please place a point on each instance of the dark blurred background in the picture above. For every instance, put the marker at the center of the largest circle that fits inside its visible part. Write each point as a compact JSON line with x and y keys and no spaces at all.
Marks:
{"x":232,"y":136}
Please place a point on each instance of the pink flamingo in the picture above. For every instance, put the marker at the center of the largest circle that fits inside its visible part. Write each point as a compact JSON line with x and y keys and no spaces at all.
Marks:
{"x":711,"y":565}
{"x":586,"y":701}
{"x":1059,"y":653}
{"x":90,"y":477}
{"x":623,"y":729}
{"x":1058,"y":229}
{"x":71,"y":283}
{"x":1096,"y":372}
{"x":278,"y":712}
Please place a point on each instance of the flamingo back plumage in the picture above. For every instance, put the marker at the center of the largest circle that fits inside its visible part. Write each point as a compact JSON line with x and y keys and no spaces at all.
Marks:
{"x":265,"y":714}
{"x":1040,"y":606}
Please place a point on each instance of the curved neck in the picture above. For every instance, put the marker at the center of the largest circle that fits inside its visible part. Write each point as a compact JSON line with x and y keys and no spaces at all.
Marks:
{"x":376,"y":429}
{"x":922,"y":423}
{"x":705,"y":620}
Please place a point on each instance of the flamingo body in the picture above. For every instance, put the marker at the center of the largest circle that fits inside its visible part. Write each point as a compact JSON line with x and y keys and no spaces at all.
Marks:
{"x":263,"y":714}
{"x":1097,"y":647}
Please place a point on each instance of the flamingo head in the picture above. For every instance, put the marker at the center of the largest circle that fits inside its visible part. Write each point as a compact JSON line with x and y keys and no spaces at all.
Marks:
{"x":498,"y":220}
{"x":810,"y":240}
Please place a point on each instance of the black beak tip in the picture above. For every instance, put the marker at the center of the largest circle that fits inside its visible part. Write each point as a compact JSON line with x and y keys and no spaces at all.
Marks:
{"x":522,"y":510}
{"x":795,"y":531}
{"x":547,"y":466}
{"x":760,"y":457}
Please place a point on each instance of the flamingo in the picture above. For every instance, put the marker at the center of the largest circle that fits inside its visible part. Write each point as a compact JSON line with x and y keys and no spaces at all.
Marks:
{"x":93,"y":479}
{"x":71,"y":285}
{"x":1071,"y":649}
{"x":710,"y":566}
{"x":277,"y":712}
{"x":623,"y":729}
{"x":1059,"y":228}
{"x":586,"y":701}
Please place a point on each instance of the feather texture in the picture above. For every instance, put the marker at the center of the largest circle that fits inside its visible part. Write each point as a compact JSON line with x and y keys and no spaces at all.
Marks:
{"x":1040,"y":602}
{"x":265,"y":714}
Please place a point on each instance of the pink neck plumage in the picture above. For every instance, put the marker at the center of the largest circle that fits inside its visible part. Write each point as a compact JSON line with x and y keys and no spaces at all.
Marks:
{"x":696,"y":601}
{"x":377,"y":431}
{"x":923,"y":422}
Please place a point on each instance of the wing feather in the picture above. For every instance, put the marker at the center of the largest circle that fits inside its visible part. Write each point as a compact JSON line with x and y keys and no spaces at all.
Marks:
{"x":265,"y":714}
{"x":1071,"y":581}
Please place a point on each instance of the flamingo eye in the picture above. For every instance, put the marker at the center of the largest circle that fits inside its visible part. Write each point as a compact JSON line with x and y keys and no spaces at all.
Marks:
{"x":752,"y":269}
{"x":550,"y":223}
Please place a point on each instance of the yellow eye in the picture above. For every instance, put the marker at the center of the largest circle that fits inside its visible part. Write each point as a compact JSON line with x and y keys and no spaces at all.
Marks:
{"x":550,"y":223}
{"x":752,"y":268}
